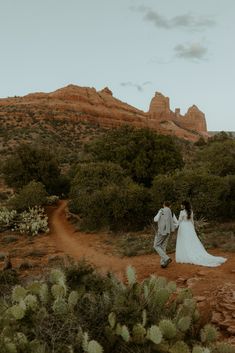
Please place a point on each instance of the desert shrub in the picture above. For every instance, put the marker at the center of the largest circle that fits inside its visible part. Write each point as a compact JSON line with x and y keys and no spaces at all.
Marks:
{"x":52,"y":200}
{"x":221,"y":137}
{"x":33,"y":221}
{"x":48,"y":316}
{"x":91,"y":177}
{"x":220,"y":157}
{"x":31,"y":195}
{"x":60,"y":186}
{"x":142,"y":153}
{"x":119,"y":208}
{"x":230,"y":200}
{"x":104,"y":197}
{"x":208,"y":194}
{"x":9,"y":277}
{"x":7,"y":218}
{"x":163,"y":188}
{"x":30,"y":163}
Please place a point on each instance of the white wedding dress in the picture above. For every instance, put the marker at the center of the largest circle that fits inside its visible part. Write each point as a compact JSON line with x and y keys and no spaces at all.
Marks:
{"x":189,"y":249}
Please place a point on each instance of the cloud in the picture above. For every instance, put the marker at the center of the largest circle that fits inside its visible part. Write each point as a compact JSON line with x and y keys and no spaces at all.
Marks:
{"x":184,"y":21}
{"x":139,"y":87}
{"x":193,"y":51}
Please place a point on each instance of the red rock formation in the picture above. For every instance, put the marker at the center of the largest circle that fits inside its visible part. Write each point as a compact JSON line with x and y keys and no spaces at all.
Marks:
{"x":84,"y":103}
{"x":193,"y":120}
{"x":159,"y":105}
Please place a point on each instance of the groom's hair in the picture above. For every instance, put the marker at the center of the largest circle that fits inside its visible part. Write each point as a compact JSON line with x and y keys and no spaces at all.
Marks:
{"x":167,"y":203}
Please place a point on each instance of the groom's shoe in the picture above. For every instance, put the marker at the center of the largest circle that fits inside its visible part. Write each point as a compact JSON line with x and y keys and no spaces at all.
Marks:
{"x":166,"y":263}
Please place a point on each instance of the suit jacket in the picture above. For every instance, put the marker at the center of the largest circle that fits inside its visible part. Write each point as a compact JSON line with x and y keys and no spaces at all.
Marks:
{"x":165,"y":221}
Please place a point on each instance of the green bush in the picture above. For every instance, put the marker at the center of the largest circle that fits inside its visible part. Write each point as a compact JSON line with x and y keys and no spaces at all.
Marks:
{"x":220,"y":157}
{"x":230,"y":200}
{"x":142,"y":153}
{"x":31,"y":195}
{"x":33,"y":163}
{"x":152,"y":316}
{"x":104,"y":197}
{"x":209,"y":194}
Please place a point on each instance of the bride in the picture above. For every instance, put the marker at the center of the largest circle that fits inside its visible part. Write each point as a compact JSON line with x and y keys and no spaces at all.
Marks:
{"x":189,"y":249}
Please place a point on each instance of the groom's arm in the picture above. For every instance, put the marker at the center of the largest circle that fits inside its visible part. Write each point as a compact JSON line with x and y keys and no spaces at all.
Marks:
{"x":158,"y":215}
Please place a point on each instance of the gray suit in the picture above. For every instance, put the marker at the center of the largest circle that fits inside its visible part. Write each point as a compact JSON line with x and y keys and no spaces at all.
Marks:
{"x":165,"y":227}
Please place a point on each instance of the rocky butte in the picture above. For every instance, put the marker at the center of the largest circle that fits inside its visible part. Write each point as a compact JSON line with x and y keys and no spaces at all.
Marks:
{"x":100,"y":107}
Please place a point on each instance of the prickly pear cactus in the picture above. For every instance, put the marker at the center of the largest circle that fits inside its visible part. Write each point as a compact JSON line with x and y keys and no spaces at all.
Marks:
{"x":31,"y":302}
{"x":180,"y":347}
{"x":57,"y":277}
{"x":138,"y":333}
{"x":209,"y":334}
{"x":199,"y":349}
{"x":18,"y":293}
{"x":131,"y":275}
{"x":138,"y":317}
{"x":168,"y":329}
{"x":125,"y":333}
{"x":60,"y":307}
{"x":18,"y":310}
{"x":58,"y":291}
{"x":73,"y":299}
{"x":154,"y":334}
{"x":184,"y":323}
{"x":112,"y":320}
{"x":94,"y":347}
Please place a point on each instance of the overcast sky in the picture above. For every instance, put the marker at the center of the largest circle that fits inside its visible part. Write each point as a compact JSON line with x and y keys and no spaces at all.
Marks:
{"x":184,"y":49}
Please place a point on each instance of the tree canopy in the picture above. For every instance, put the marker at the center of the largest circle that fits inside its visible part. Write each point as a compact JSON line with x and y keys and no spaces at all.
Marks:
{"x":140,"y":152}
{"x":32,"y":163}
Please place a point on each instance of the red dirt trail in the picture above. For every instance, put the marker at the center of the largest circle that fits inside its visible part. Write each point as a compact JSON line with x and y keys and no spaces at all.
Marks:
{"x":95,"y":250}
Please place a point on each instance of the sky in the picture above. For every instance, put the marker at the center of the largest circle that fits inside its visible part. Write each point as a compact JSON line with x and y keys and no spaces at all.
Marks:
{"x":184,"y":49}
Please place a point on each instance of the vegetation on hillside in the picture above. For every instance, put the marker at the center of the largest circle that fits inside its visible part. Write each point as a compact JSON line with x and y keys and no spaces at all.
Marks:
{"x":140,"y":152}
{"x":34,"y":163}
{"x":65,"y":137}
{"x":122,"y":177}
{"x":104,"y":196}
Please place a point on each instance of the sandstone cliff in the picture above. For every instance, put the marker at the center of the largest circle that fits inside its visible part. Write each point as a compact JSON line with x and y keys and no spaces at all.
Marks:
{"x":100,"y":107}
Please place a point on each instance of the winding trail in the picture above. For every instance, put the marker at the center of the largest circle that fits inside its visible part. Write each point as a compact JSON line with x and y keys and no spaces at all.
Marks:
{"x":82,"y":245}
{"x":94,"y":248}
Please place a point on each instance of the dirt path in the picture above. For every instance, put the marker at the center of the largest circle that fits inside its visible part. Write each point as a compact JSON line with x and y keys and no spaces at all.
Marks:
{"x":83,"y":245}
{"x":94,"y":248}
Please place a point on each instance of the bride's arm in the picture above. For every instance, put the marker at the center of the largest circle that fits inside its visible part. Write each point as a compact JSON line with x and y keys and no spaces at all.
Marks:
{"x":192,"y":219}
{"x":180,"y":217}
{"x":175,"y":221}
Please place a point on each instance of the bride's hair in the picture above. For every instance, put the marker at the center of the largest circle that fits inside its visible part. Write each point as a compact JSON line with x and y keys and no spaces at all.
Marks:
{"x":188,"y":208}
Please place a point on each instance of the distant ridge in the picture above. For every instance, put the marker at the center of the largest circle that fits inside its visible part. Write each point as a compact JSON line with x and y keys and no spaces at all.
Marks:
{"x":217,"y":132}
{"x":77,"y":103}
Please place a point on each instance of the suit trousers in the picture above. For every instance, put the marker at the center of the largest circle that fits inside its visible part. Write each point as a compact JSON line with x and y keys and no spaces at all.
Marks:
{"x":160,"y":244}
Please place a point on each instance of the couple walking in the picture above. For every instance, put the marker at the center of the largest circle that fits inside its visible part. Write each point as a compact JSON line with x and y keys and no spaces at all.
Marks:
{"x":189,"y":249}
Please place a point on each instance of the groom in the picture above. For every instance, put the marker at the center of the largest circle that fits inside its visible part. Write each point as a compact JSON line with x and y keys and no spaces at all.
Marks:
{"x":166,"y":225}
